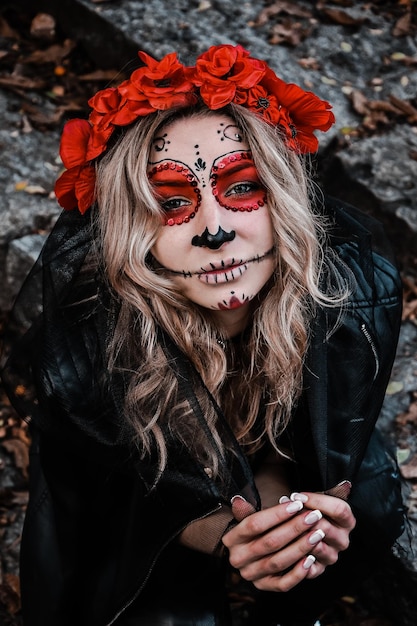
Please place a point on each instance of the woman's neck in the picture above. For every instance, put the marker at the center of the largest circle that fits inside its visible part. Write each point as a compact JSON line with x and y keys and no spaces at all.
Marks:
{"x":233,"y":322}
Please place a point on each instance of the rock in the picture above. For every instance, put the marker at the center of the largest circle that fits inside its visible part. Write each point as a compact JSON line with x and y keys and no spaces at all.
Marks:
{"x":22,"y":254}
{"x":27,"y":178}
{"x":28,"y":174}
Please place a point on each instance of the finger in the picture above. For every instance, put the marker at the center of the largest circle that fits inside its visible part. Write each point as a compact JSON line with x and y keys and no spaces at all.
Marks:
{"x":260,"y":522}
{"x":276,"y":561}
{"x":337,"y":510}
{"x":289,"y":580}
{"x":241,"y":508}
{"x":273,"y":542}
{"x":336,"y":537}
{"x":325,"y":554}
{"x":315,"y":570}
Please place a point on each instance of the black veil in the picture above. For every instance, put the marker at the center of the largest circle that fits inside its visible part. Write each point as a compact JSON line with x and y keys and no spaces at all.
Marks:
{"x":56,"y":374}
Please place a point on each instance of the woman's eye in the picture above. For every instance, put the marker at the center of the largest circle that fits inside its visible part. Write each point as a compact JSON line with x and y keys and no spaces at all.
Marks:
{"x":241,"y":189}
{"x":175,"y":203}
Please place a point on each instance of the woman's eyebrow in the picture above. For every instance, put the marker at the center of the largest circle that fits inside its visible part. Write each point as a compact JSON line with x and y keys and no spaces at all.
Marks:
{"x":170,"y":183}
{"x":232,"y":167}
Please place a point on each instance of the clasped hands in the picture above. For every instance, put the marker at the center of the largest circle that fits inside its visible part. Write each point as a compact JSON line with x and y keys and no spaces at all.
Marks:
{"x":278,"y":547}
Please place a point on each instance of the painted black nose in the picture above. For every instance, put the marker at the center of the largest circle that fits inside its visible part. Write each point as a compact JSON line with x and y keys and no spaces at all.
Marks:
{"x":206,"y":239}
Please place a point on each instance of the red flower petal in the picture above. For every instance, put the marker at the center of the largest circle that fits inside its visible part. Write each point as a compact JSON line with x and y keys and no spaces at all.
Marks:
{"x":98,"y":142}
{"x":75,"y":188}
{"x":85,"y":188}
{"x":217,"y":97}
{"x":74,"y":141}
{"x":65,"y":188}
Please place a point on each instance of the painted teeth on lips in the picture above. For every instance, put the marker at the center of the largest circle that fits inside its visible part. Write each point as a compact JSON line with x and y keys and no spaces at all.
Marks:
{"x":223,"y":266}
{"x":223,"y":272}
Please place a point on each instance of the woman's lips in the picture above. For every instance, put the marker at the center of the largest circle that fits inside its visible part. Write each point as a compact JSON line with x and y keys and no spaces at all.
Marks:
{"x":218,"y":275}
{"x":223,"y":266}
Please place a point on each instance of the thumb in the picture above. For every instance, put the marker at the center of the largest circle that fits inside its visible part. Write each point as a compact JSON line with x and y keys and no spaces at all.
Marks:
{"x":241,"y":508}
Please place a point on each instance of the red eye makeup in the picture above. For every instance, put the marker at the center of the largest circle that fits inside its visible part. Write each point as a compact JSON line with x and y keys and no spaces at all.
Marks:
{"x":235,"y":183}
{"x":176,"y":190}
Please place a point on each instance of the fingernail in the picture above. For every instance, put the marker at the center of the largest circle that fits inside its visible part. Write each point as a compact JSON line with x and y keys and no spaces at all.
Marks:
{"x":293,"y":507}
{"x":241,"y":508}
{"x":341,"y":490}
{"x":238,"y":498}
{"x":309,"y":561}
{"x":283,"y":499}
{"x":299,"y":496}
{"x":317,"y":536}
{"x":313,"y":517}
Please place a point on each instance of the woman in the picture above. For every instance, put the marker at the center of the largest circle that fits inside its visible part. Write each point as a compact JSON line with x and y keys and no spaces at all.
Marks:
{"x":215,"y":338}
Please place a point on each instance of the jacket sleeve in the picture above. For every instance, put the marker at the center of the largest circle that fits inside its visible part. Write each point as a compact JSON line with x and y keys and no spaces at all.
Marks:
{"x":347,"y":370}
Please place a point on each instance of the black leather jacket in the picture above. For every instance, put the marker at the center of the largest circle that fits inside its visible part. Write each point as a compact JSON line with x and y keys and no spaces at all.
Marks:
{"x":94,"y":530}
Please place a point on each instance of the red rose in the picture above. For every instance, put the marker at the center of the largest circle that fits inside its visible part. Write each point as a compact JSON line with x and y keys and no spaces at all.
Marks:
{"x":223,"y":70}
{"x":306,"y":111}
{"x":74,"y":142}
{"x":162,"y":84}
{"x":75,"y":188}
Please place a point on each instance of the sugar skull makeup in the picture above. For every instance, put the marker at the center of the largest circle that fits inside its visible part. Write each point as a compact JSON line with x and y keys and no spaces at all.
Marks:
{"x":176,"y":190}
{"x":233,"y":179}
{"x":216,"y":240}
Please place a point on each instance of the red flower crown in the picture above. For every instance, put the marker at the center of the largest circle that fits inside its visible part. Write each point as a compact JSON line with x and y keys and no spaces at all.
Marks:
{"x":222,"y":75}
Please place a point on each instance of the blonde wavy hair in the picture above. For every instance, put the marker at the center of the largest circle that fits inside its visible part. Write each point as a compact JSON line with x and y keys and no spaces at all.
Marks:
{"x":263,"y":371}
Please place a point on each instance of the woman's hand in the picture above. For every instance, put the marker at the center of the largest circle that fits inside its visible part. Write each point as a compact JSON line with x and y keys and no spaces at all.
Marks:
{"x":278,"y":547}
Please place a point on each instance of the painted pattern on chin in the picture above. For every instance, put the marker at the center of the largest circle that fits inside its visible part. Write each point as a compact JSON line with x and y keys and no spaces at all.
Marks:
{"x":233,"y":303}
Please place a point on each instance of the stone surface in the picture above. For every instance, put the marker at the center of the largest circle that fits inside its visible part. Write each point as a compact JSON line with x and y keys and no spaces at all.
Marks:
{"x":21,"y":255}
{"x":379,"y":169}
{"x":28,"y":168}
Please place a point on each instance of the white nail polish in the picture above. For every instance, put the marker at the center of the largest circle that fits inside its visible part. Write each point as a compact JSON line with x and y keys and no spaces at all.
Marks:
{"x":313,"y":517}
{"x":283,"y":499}
{"x":299,"y":496}
{"x":317,"y":536}
{"x":309,"y":561}
{"x":293,"y":507}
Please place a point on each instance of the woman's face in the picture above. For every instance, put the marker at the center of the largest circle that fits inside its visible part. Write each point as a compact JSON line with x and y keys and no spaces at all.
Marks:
{"x":216,"y":240}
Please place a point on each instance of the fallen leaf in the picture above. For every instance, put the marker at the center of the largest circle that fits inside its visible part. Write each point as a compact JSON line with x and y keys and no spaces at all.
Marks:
{"x":10,"y":593}
{"x":204,"y":5}
{"x":21,"y":82}
{"x":395,"y":386}
{"x":403,"y":25}
{"x":35,"y":189}
{"x":409,"y":471}
{"x":309,"y":63}
{"x":20,"y":452}
{"x":21,"y":185}
{"x":359,"y":102}
{"x":403,"y":455}
{"x":53,"y":54}
{"x":405,"y":107}
{"x":342,"y":17}
{"x":409,"y":416}
{"x":101,"y":75}
{"x":289,"y":32}
{"x":6,"y":30}
{"x":277,"y":8}
{"x":40,"y":119}
{"x":43,"y":26}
